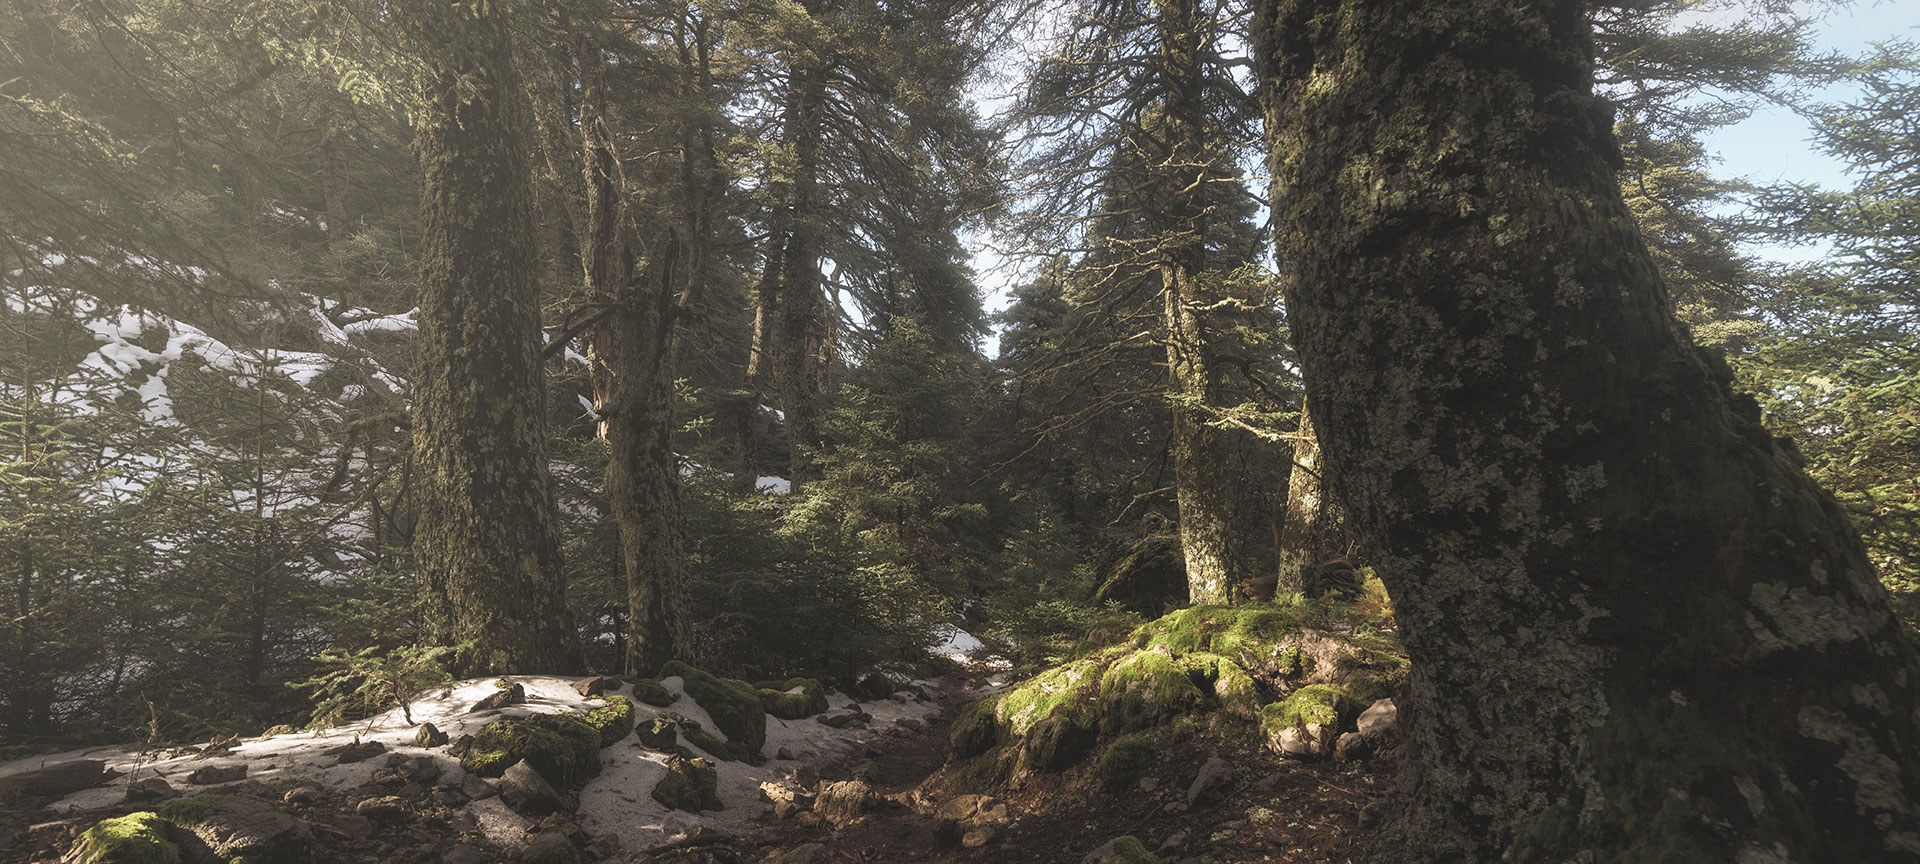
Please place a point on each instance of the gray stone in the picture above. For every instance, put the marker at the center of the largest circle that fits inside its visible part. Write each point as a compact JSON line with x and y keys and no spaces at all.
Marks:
{"x":239,"y":828}
{"x":979,"y":836}
{"x":302,"y":795}
{"x":1379,"y":717}
{"x":429,"y":736}
{"x":386,"y":808}
{"x":55,"y":781}
{"x":1121,"y":850}
{"x":688,"y":785}
{"x":787,"y":801}
{"x":511,"y":695}
{"x":549,"y":847}
{"x":356,"y":826}
{"x":150,"y":789}
{"x":653,"y":692}
{"x":358,"y":751}
{"x":476,"y":788}
{"x":527,"y":793}
{"x":418,"y":769}
{"x":211,"y":774}
{"x":806,"y":775}
{"x":595,"y":685}
{"x":1308,"y":742}
{"x":843,"y":802}
{"x":1211,"y":783}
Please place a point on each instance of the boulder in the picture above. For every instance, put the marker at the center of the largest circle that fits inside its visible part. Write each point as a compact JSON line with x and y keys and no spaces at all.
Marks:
{"x":1300,"y":742}
{"x":150,"y":789}
{"x":876,"y":686}
{"x":513,"y":694}
{"x":136,"y":838}
{"x":659,"y":733}
{"x":549,"y":847}
{"x":1121,"y":850}
{"x":528,"y":793}
{"x":841,"y":803}
{"x":564,"y":748}
{"x":595,"y":685}
{"x":794,"y":698}
{"x":429,"y":736}
{"x":1210,"y":784}
{"x":689,"y":785}
{"x":212,"y":774}
{"x":383,"y":809}
{"x":613,"y":720}
{"x":464,"y":854}
{"x":358,"y":751}
{"x":733,"y":705}
{"x":653,"y":692}
{"x":241,"y":828}
{"x":787,"y":801}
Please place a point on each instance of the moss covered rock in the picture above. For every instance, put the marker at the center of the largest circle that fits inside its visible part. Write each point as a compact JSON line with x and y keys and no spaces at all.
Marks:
{"x":564,"y":748}
{"x":1121,"y":850}
{"x":690,"y":785}
{"x":613,"y":720}
{"x":653,"y":693}
{"x":239,"y":829}
{"x":733,"y":705}
{"x":1125,"y":761}
{"x":136,"y":838}
{"x":1215,"y":664}
{"x":785,"y":704}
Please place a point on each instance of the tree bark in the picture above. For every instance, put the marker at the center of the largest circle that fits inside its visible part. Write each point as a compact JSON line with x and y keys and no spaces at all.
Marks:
{"x":485,"y":546}
{"x":1207,"y":537}
{"x":1638,"y":631}
{"x":1303,"y":534}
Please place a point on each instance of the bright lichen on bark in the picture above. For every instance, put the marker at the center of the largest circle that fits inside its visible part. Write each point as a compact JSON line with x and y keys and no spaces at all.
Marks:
{"x":1639,"y":633}
{"x":485,"y":546}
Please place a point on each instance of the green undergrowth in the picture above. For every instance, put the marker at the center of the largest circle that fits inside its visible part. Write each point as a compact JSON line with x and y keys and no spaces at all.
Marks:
{"x":1236,"y":670}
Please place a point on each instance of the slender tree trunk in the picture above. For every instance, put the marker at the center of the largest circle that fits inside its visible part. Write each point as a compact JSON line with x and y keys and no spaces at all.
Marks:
{"x":632,"y":357}
{"x":800,"y":330}
{"x":1638,"y":631}
{"x":485,"y":546}
{"x":1207,"y":537}
{"x":1303,"y":535}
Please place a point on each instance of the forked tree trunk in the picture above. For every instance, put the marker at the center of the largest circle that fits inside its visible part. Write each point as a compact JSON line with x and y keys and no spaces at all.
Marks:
{"x":1639,"y":632}
{"x":486,"y":548}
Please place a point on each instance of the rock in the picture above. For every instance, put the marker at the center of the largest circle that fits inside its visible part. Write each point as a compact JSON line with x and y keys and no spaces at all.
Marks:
{"x":150,"y":789}
{"x":1379,"y":717}
{"x":793,"y":698}
{"x":660,"y":733}
{"x":787,"y":801}
{"x":55,"y":781}
{"x":1211,"y":783}
{"x":806,"y":775}
{"x":594,"y":685}
{"x":137,"y":838}
{"x":1173,"y":841}
{"x":358,"y":751}
{"x":356,"y":827}
{"x":463,"y":854}
{"x":866,"y":772}
{"x":603,"y":845}
{"x":212,"y":774}
{"x":733,"y":705}
{"x":843,"y":802}
{"x":911,"y":724}
{"x":302,"y":795}
{"x":1302,"y":742}
{"x":549,"y":847}
{"x":1121,"y":850}
{"x":239,"y":828}
{"x":528,"y":793}
{"x":876,"y":686}
{"x":689,"y":785}
{"x":652,"y":692}
{"x":477,"y":789}
{"x":418,"y":769}
{"x":429,"y":736}
{"x":613,"y":720}
{"x":1148,"y":784}
{"x":564,"y":748}
{"x":806,"y":853}
{"x":851,"y":717}
{"x":511,"y":695}
{"x":384,"y":809}
{"x":980,"y":836}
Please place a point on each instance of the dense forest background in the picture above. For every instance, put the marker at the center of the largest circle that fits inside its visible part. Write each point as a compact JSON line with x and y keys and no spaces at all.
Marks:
{"x":774,"y":441}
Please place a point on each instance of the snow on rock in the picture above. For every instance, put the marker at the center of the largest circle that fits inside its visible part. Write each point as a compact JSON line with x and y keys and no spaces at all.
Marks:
{"x":617,"y":801}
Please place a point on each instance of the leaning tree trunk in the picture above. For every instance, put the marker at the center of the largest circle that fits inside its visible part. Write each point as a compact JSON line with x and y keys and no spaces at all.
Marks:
{"x":485,"y":546}
{"x":1639,"y":632}
{"x":1303,"y":534}
{"x":1207,"y":537}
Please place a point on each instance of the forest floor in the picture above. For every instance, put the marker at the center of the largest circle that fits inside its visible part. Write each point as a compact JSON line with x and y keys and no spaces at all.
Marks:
{"x":1270,"y":809}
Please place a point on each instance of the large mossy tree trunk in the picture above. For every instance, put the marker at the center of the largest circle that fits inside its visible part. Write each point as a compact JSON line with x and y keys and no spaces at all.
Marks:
{"x":1206,"y":520}
{"x":485,"y":546}
{"x":1638,"y":631}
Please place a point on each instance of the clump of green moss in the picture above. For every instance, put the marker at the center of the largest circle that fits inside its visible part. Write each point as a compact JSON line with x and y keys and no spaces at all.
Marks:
{"x":136,"y":838}
{"x":563,"y":748}
{"x":613,"y":720}
{"x":975,"y":730}
{"x":733,"y":705}
{"x":1124,"y":761}
{"x":1314,"y":704}
{"x":1144,"y":687}
{"x":787,"y":705}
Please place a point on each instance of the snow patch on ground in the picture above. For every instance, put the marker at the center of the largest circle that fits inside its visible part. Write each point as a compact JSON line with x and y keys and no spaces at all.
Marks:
{"x":772,"y":485}
{"x":617,"y":801}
